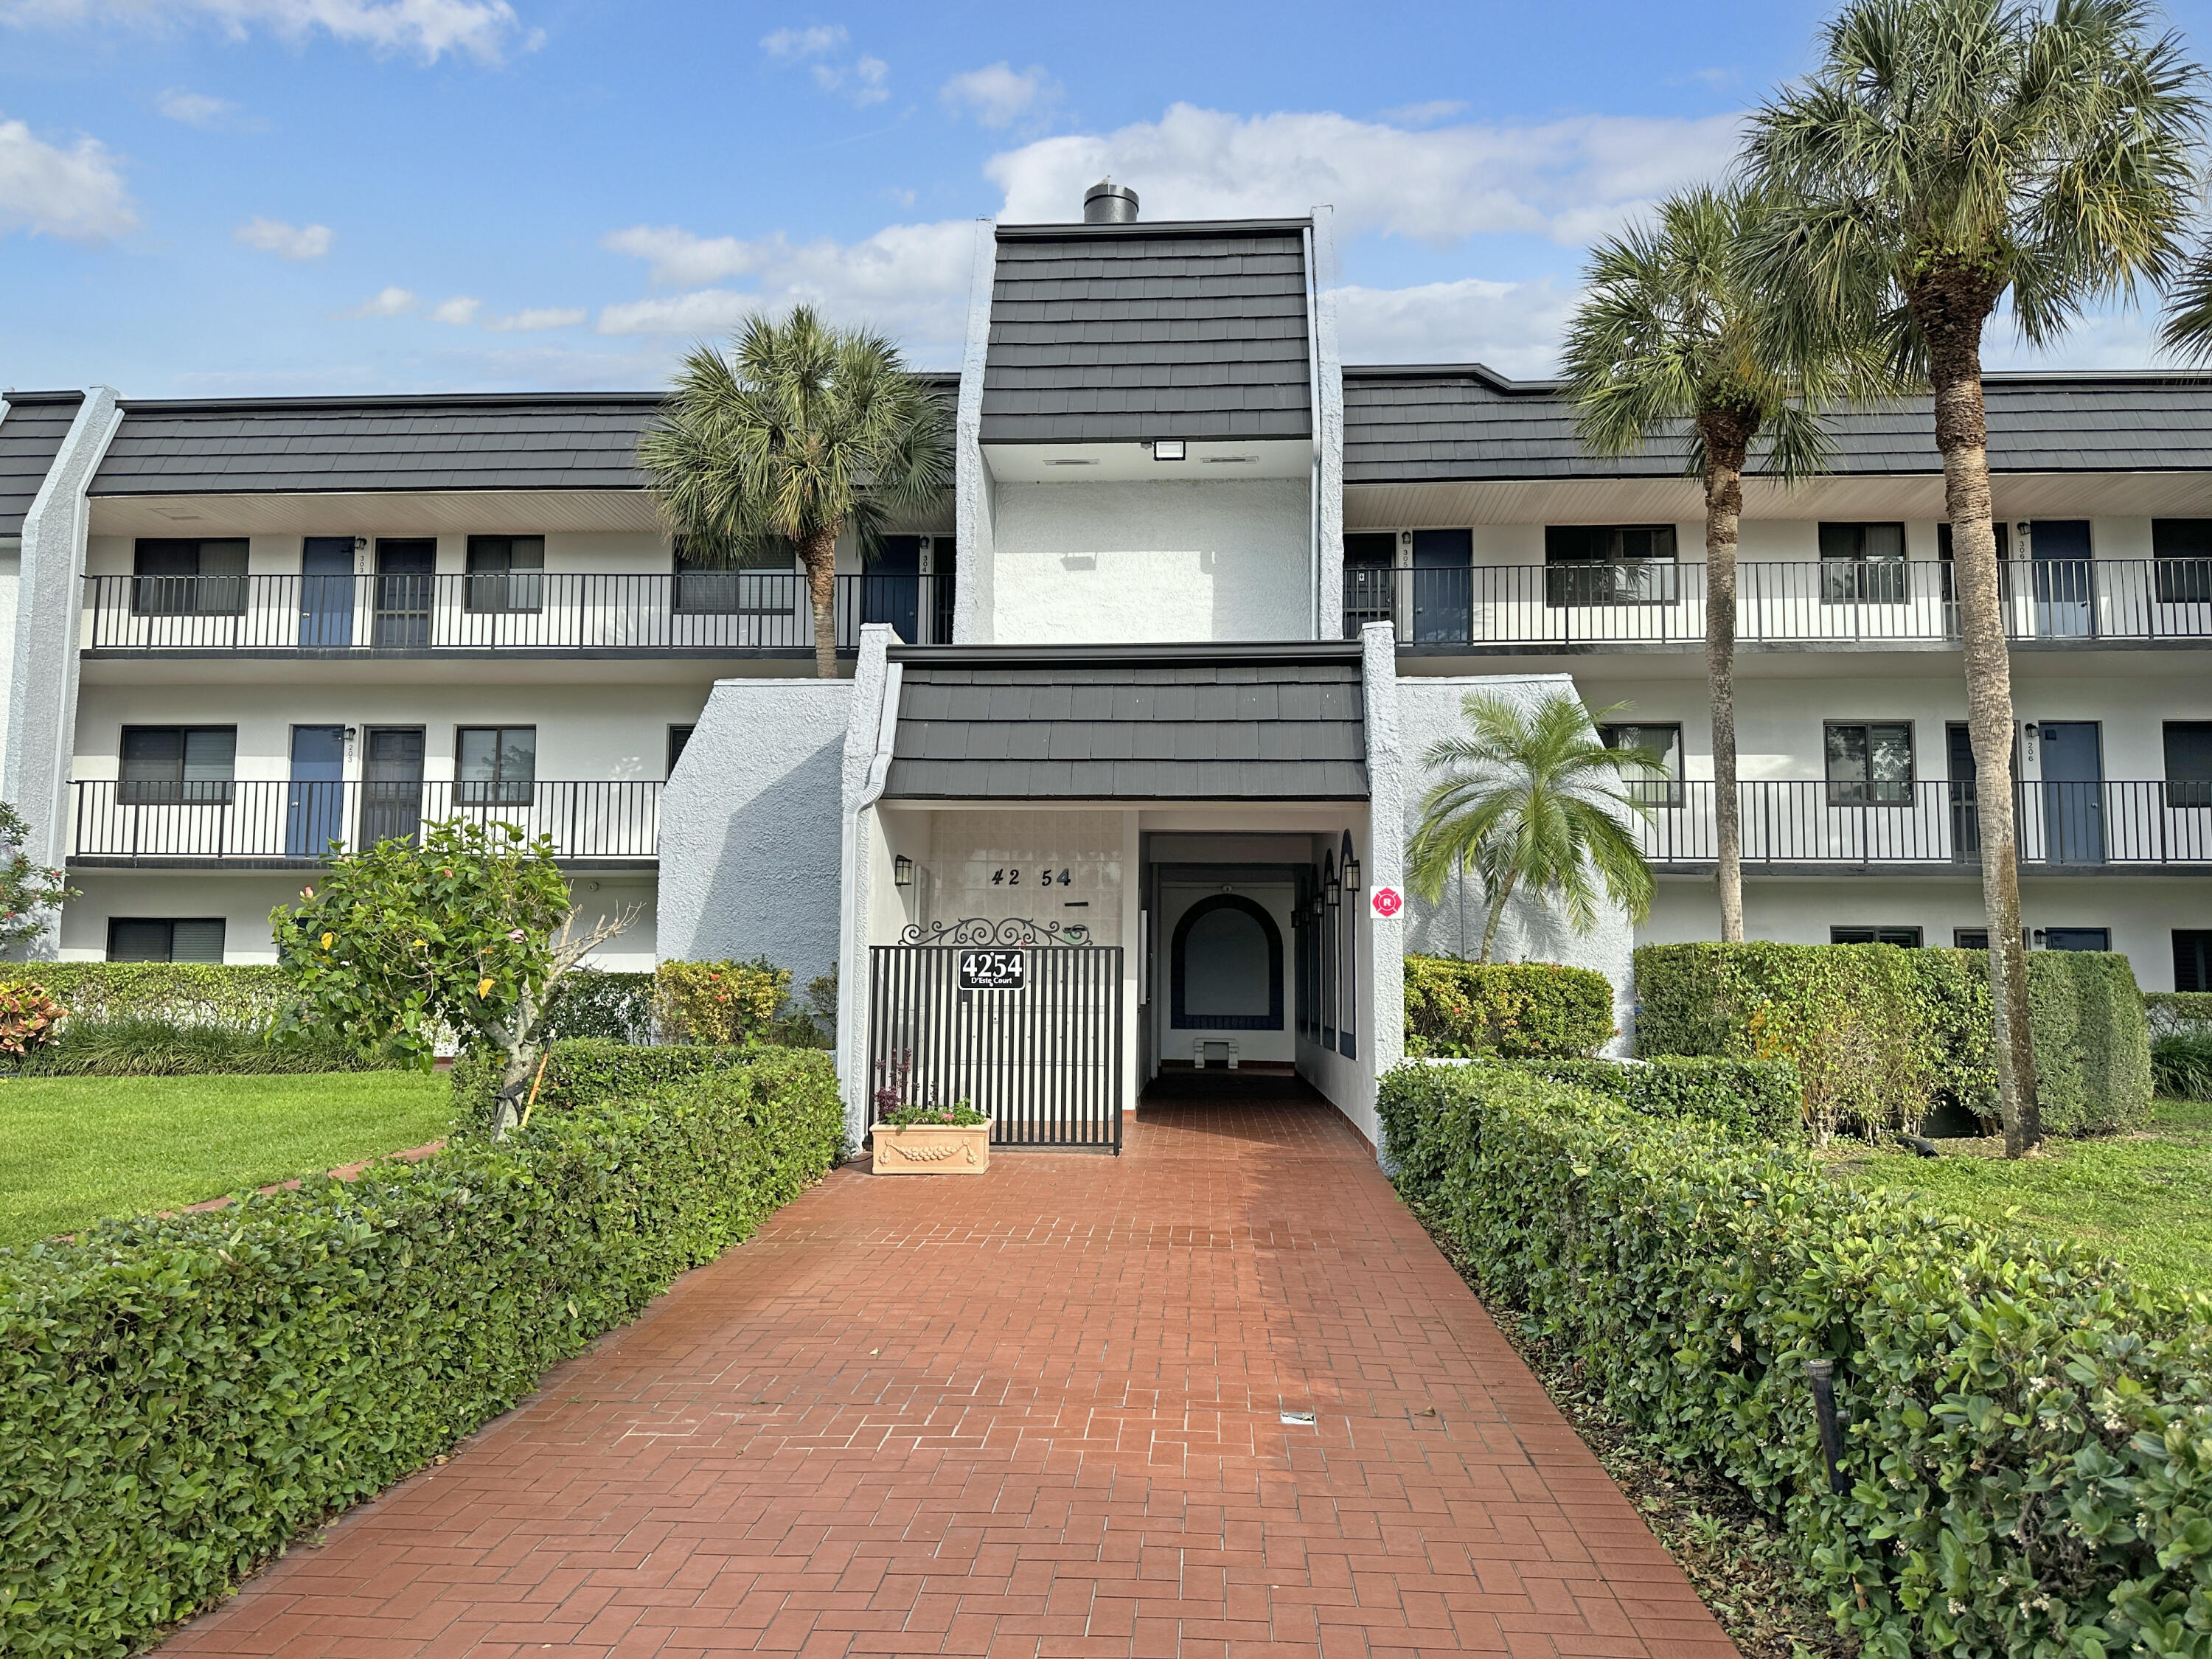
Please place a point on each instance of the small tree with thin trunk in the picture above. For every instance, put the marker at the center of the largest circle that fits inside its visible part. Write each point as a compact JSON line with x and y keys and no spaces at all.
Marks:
{"x":1665,"y":348}
{"x":800,"y":433}
{"x":1532,"y":802}
{"x":1948,"y":156}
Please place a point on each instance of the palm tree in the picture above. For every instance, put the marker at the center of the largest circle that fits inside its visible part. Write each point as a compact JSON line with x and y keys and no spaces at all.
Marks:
{"x":1665,"y":346}
{"x":1531,"y":799}
{"x":801,"y":432}
{"x":1947,"y":156}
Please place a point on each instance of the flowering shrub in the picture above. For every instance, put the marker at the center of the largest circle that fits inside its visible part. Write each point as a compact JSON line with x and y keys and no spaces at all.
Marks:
{"x":961,"y":1115}
{"x":1512,"y":1010}
{"x":26,"y":888}
{"x":26,"y":1018}
{"x":723,"y":1003}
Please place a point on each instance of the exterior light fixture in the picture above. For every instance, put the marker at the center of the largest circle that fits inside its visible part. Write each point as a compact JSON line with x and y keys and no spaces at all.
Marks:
{"x":1351,"y":876}
{"x":1168,"y":449}
{"x":902,"y":871}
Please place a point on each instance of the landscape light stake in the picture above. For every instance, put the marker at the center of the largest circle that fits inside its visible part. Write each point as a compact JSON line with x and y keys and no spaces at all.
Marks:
{"x":1822,"y":1374}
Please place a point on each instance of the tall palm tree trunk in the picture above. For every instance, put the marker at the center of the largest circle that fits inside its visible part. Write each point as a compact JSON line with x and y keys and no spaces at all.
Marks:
{"x":1497,"y":902}
{"x":1727,"y":435}
{"x":818,"y":554}
{"x":1950,"y":310}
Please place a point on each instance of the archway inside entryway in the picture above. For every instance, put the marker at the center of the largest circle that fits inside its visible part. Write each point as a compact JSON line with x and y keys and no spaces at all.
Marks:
{"x":1225,"y":968}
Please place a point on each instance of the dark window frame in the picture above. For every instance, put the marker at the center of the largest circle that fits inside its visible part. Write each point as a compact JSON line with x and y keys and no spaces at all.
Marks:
{"x":1854,"y":577}
{"x":169,"y":924}
{"x":1580,"y":572}
{"x":2192,"y":958}
{"x":2182,"y":574}
{"x":2186,"y":794}
{"x":760,"y":588}
{"x":1869,"y":783}
{"x":1906,"y":939}
{"x":180,"y":790}
{"x":677,"y":743}
{"x":498,"y":790}
{"x":192,"y":592}
{"x":1652,"y":792}
{"x":494,"y":585}
{"x":2047,"y":931}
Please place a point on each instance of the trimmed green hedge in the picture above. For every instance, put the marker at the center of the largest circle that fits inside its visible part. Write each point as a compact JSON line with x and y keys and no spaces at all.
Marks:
{"x":2029,"y":1448}
{"x":2178,"y":1013}
{"x":613,"y":1007}
{"x":1883,"y":1035}
{"x":1514,"y":1010}
{"x":585,"y":1072}
{"x":180,"y":1398}
{"x":194,"y":992}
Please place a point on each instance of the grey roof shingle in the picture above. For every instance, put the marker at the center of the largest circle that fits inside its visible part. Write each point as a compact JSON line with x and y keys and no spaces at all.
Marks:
{"x":1173,"y":723}
{"x":283,"y":445}
{"x":32,"y":428}
{"x":1459,"y":422}
{"x":1119,"y":333}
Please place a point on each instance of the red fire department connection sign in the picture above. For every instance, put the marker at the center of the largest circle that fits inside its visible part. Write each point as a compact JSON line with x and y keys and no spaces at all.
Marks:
{"x":1386,"y":902}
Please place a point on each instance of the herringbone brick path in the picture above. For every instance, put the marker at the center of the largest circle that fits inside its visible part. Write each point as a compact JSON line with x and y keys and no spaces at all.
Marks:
{"x":1038,"y":1412}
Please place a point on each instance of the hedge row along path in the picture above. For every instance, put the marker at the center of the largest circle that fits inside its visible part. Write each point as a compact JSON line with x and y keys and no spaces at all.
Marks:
{"x":1037,"y":1411}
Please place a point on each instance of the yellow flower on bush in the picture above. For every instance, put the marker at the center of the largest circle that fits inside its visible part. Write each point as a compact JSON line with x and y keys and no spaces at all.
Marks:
{"x":484,"y":989}
{"x":329,"y":940}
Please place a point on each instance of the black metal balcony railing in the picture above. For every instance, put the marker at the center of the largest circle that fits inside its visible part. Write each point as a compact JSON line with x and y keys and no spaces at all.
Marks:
{"x":522,"y":609}
{"x":2060,"y":826}
{"x":261,"y":818}
{"x":1839,"y":602}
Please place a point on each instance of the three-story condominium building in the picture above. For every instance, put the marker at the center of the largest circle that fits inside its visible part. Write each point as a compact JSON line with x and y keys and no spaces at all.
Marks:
{"x":1122,"y":772}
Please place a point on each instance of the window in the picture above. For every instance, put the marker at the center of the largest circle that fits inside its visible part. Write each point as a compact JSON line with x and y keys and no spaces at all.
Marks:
{"x":2074,"y":938}
{"x":174,"y":765}
{"x":1609,"y":564}
{"x":2193,"y":959}
{"x":761,"y":582}
{"x":2183,"y":548}
{"x":507,"y":573}
{"x":1664,"y":741}
{"x":2189,"y":763}
{"x":1907,"y":936}
{"x":495,"y":765}
{"x":138,"y":939}
{"x":1970,"y":939}
{"x":1863,"y":564}
{"x":1368,"y":558}
{"x":1870,"y":764}
{"x":174,"y":578}
{"x":678,"y":736}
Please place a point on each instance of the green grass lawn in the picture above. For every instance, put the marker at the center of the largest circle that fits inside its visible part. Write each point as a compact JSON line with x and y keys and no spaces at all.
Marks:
{"x":75,"y":1149}
{"x":2140,"y":1199}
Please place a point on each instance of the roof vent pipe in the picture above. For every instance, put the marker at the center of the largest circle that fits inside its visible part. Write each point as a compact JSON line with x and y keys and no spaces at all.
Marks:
{"x":1108,"y":204}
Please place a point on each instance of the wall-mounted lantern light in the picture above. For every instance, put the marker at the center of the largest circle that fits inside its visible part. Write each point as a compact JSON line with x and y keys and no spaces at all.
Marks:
{"x":1348,"y":866}
{"x":902,"y":871}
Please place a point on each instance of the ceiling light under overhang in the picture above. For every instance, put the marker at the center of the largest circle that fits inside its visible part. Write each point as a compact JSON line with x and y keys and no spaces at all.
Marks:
{"x":1167,"y":449}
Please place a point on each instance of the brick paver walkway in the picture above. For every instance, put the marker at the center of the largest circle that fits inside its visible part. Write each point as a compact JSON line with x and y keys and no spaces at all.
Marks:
{"x":1034,"y":1413}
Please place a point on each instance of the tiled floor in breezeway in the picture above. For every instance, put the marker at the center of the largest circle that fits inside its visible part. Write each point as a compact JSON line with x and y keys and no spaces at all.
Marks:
{"x":1037,"y":1411}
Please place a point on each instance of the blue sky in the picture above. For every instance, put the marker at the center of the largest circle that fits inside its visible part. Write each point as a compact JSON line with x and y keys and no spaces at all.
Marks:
{"x":211,"y":198}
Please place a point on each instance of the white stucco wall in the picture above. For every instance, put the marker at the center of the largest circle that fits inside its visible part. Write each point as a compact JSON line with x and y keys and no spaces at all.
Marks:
{"x":11,"y":572}
{"x":1171,"y":561}
{"x":1531,"y":931}
{"x":749,"y":828}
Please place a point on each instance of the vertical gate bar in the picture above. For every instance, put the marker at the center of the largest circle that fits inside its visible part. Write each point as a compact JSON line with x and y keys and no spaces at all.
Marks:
{"x":1113,"y":1093}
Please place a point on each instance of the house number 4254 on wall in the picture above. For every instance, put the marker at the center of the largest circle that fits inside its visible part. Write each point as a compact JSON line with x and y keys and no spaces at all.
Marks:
{"x":1011,"y":877}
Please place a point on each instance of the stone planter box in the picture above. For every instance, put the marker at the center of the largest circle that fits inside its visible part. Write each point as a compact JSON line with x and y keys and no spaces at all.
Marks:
{"x":931,"y":1148}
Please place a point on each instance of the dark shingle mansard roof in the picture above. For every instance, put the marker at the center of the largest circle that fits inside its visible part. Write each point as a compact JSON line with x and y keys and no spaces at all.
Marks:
{"x":1118,"y":333}
{"x":1131,"y":723}
{"x":1461,"y":422}
{"x":285,"y":446}
{"x":31,"y":427}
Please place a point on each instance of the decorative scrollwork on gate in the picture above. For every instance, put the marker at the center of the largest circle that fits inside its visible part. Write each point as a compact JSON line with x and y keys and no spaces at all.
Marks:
{"x":978,"y":930}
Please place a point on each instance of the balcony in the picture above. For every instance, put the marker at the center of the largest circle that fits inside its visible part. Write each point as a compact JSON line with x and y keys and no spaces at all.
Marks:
{"x":274,"y":823}
{"x":2062,"y":828}
{"x":2083,"y":602}
{"x":710,"y":613}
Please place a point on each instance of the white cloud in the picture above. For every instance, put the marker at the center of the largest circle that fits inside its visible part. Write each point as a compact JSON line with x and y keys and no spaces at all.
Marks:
{"x":910,"y":281}
{"x":199,"y":109}
{"x":460,"y":311}
{"x":1567,"y":179}
{"x":998,"y":94}
{"x":1425,"y":115}
{"x":77,"y":193}
{"x":386,"y":302}
{"x":286,"y":241}
{"x":1513,"y":327}
{"x":484,"y":29}
{"x":541,"y":317}
{"x":861,"y":81}
{"x":791,"y":45}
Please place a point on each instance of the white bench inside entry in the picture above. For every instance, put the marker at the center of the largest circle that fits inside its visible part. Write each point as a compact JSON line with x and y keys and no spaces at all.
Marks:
{"x":1222,"y":1048}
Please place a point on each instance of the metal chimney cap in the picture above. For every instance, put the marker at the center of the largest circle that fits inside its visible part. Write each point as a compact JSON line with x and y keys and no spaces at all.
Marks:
{"x":1108,"y":204}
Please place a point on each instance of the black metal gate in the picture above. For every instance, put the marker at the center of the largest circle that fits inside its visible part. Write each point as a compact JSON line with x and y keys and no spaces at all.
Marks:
{"x":1021,"y":1020}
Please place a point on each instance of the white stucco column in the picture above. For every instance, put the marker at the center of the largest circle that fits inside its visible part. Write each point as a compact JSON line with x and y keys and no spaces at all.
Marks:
{"x":41,"y":738}
{"x":1386,"y":807}
{"x":1328,"y":430}
{"x":872,"y":724}
{"x":974,"y":586}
